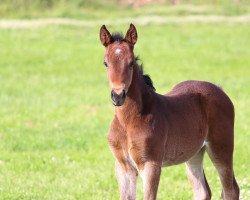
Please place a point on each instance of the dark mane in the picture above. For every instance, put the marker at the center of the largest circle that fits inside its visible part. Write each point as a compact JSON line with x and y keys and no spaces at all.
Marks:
{"x":146,"y":77}
{"x":117,"y":37}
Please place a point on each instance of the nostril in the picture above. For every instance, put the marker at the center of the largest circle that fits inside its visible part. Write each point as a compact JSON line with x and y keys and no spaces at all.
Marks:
{"x":112,"y":94}
{"x":123,"y":94}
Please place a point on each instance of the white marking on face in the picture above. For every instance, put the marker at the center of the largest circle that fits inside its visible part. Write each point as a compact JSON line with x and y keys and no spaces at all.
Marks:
{"x":118,"y":51}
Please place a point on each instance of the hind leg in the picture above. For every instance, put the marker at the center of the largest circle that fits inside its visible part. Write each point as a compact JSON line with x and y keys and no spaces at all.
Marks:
{"x":222,"y":158}
{"x":196,"y":176}
{"x":220,"y":140}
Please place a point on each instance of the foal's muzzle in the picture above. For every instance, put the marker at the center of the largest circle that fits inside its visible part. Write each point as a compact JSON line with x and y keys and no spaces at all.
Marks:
{"x":118,"y":99}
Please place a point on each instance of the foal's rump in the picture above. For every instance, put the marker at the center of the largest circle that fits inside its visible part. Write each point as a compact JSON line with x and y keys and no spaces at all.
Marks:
{"x":214,"y":100}
{"x":197,"y":111}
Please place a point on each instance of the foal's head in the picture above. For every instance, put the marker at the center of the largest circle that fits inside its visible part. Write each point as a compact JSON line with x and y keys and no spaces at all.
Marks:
{"x":119,"y":60}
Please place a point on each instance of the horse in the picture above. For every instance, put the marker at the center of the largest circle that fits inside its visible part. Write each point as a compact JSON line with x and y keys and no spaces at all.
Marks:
{"x":150,"y":131}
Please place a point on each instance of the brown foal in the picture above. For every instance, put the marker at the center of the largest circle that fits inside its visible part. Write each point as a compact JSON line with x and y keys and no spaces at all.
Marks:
{"x":150,"y":131}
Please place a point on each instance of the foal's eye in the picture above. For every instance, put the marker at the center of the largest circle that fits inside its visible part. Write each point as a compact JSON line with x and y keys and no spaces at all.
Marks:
{"x":105,"y":63}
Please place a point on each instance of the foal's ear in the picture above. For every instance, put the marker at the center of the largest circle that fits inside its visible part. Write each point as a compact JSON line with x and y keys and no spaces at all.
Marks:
{"x":105,"y":36}
{"x":131,"y":35}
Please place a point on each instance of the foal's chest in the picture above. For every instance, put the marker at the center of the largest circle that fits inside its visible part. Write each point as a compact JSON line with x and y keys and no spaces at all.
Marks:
{"x":128,"y":151}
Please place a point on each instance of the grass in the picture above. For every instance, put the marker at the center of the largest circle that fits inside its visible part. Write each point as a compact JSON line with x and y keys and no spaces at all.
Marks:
{"x":55,"y":105}
{"x":96,"y":9}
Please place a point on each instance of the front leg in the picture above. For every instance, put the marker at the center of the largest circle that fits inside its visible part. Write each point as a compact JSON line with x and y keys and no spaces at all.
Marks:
{"x":151,"y":178}
{"x":127,"y":179}
{"x":126,"y":174}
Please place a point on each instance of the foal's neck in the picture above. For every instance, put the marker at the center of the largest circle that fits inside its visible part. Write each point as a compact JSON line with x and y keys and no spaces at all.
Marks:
{"x":136,"y":101}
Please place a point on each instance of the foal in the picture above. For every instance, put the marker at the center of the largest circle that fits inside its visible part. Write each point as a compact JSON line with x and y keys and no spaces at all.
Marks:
{"x":150,"y":130}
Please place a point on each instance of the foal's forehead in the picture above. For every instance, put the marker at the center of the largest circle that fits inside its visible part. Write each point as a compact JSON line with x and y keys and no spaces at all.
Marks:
{"x":118,"y":50}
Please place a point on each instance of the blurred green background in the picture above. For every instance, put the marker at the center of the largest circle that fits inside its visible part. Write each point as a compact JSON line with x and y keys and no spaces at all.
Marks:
{"x":55,"y":106}
{"x":86,"y":9}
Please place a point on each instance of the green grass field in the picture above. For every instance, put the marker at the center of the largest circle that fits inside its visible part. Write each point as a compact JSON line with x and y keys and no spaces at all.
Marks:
{"x":99,"y":9}
{"x":56,"y":109}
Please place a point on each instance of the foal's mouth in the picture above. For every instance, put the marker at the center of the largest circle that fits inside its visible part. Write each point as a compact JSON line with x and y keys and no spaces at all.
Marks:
{"x":118,"y":99}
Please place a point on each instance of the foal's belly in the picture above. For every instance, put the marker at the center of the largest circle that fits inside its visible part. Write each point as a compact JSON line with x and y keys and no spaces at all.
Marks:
{"x":176,"y":157}
{"x":180,"y":147}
